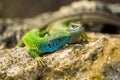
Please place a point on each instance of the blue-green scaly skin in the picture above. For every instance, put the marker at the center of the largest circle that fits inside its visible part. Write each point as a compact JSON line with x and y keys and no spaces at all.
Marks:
{"x":47,"y":43}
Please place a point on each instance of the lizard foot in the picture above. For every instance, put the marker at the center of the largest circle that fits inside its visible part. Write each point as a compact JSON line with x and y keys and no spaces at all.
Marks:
{"x":41,"y":61}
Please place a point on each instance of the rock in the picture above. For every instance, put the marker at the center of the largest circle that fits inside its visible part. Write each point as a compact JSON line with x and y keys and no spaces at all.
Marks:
{"x":15,"y":64}
{"x":96,"y":60}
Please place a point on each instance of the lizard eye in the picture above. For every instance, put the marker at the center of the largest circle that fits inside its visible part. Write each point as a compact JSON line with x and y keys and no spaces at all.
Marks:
{"x":73,"y":26}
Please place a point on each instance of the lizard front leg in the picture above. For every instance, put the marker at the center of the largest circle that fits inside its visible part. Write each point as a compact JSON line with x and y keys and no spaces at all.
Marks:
{"x":35,"y":55}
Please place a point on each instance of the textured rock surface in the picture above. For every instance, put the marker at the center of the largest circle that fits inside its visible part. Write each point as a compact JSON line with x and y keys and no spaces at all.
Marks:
{"x":16,"y":65}
{"x":96,"y":60}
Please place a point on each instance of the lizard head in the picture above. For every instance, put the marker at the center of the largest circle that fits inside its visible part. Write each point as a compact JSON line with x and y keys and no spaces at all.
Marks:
{"x":75,"y":27}
{"x":76,"y":30}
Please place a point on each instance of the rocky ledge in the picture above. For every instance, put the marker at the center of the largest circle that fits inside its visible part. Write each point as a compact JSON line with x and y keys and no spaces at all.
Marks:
{"x":97,"y":60}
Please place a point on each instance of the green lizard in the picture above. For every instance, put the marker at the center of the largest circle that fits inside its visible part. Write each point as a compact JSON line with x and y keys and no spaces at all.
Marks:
{"x":58,"y":34}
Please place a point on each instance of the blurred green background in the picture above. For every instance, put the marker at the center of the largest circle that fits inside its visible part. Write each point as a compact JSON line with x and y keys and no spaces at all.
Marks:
{"x":30,"y":8}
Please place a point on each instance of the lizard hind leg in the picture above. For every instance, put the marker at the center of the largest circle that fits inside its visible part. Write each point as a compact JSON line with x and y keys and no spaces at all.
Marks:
{"x":40,"y":60}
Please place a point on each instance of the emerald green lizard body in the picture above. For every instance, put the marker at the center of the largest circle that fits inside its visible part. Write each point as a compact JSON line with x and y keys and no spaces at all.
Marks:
{"x":58,"y":34}
{"x":42,"y":43}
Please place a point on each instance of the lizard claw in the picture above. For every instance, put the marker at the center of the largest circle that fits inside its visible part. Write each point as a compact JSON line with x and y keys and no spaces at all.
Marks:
{"x":41,"y":62}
